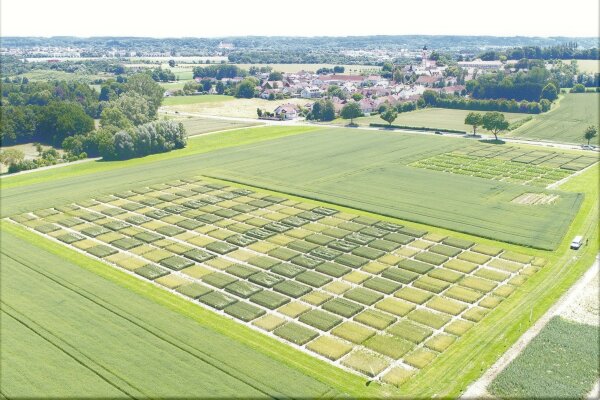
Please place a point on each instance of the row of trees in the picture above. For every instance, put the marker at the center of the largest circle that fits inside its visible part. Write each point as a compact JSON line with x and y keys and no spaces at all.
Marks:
{"x":163,"y":75}
{"x":435,"y":99}
{"x":150,"y":138}
{"x":491,"y":121}
{"x":219,"y":71}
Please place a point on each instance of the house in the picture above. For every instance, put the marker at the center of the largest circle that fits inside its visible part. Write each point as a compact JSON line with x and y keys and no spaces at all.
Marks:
{"x":273,"y":85}
{"x":427,"y":80}
{"x":367,"y":106}
{"x":311,"y":92}
{"x":268,"y":92}
{"x":340,"y":79}
{"x":479,"y":64}
{"x":453,"y":89}
{"x":286,"y":111}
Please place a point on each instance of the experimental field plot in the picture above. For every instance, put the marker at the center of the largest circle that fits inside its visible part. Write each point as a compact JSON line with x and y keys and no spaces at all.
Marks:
{"x":508,"y":164}
{"x":374,"y":297}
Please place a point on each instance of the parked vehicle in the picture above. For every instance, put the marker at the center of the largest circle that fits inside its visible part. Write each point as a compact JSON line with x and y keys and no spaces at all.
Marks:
{"x":577,"y":242}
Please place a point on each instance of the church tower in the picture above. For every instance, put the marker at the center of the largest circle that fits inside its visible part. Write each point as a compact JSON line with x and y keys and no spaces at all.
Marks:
{"x":424,"y":56}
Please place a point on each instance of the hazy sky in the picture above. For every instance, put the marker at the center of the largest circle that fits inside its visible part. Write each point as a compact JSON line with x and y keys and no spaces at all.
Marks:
{"x":197,"y":18}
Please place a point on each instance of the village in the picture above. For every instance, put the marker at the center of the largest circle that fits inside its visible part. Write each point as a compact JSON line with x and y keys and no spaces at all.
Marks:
{"x":372,"y":92}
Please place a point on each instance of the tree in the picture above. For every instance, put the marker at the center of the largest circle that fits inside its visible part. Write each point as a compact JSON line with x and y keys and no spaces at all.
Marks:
{"x":124,"y":145}
{"x":11,"y":156}
{"x":475,"y":120}
{"x":590,"y":133}
{"x":206,"y":85}
{"x":578,"y":88}
{"x":351,"y":111}
{"x":220,"y":87}
{"x":327,"y":111}
{"x":430,"y":97}
{"x":494,"y":122}
{"x":113,"y":117}
{"x":245,"y":89}
{"x":134,"y":107}
{"x":172,"y":63}
{"x":357,"y":96}
{"x":275,"y":76}
{"x":389,"y":115}
{"x":259,"y":112}
{"x":549,"y":92}
{"x":336,"y":91}
{"x":145,"y":86}
{"x":339,"y":69}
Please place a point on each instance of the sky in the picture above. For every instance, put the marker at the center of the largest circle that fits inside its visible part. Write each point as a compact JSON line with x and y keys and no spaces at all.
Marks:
{"x":198,"y":18}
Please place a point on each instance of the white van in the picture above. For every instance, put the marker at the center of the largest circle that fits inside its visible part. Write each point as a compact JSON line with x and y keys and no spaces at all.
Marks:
{"x":577,"y":242}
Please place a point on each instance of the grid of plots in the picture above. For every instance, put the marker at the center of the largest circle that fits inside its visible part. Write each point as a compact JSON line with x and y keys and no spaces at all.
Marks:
{"x":374,"y":297}
{"x":508,"y":164}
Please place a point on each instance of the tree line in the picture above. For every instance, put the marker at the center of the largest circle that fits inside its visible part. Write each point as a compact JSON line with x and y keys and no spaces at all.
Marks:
{"x":566,"y":51}
{"x":435,"y":99}
{"x":62,"y":114}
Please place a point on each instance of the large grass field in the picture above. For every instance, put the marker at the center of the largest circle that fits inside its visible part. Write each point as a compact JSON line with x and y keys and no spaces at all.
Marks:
{"x":561,"y":362}
{"x":369,"y":171}
{"x":199,"y":125}
{"x":587,"y":66}
{"x":209,"y":98}
{"x":433,"y":118}
{"x":448,"y":375}
{"x":566,"y":122}
{"x":225,"y":106}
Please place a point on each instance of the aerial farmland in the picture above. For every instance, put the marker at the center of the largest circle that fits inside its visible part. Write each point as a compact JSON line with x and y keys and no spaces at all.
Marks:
{"x":298,"y":216}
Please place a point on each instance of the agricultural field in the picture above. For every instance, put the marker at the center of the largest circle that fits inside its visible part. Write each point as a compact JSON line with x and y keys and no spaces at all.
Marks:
{"x":377,"y":298}
{"x":371,"y":171}
{"x":432,"y":118}
{"x":562,"y":361}
{"x":587,"y":66}
{"x":183,"y":100}
{"x":73,"y":326}
{"x":224,"y":106}
{"x":565,"y":122}
{"x":193,"y":327}
{"x":199,"y":125}
{"x":508,"y":164}
{"x":52,"y":75}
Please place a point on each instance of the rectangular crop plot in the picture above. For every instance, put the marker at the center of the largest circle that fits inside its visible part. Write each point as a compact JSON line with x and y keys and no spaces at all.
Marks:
{"x":321,"y":320}
{"x":295,"y":333}
{"x":244,"y":311}
{"x":343,"y":307}
{"x":268,"y":299}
